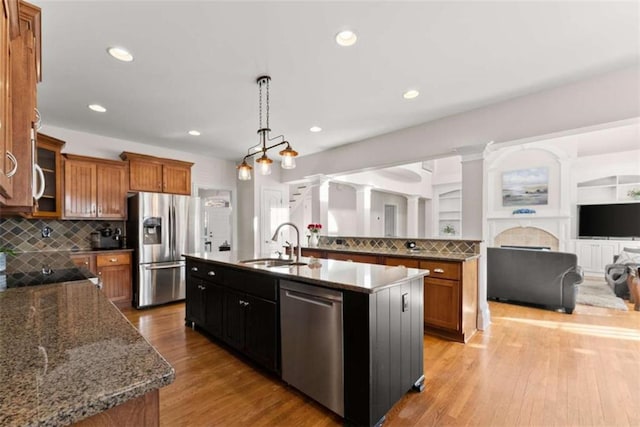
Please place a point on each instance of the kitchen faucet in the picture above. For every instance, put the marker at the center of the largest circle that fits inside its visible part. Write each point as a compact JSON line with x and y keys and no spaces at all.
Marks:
{"x":275,"y":238}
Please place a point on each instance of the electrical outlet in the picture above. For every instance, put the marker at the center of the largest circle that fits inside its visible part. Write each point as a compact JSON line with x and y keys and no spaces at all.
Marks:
{"x":46,"y":231}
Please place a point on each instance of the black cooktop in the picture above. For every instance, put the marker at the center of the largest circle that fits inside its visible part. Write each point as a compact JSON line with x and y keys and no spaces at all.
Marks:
{"x":46,"y":277}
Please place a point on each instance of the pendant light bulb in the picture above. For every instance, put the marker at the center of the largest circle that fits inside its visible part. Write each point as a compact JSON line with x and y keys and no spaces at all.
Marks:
{"x":265,"y":164}
{"x":288,"y":157}
{"x":244,"y":171}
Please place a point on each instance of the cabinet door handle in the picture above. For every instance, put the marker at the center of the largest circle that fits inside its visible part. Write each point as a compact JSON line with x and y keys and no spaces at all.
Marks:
{"x":14,"y":169}
{"x":37,"y":173}
{"x":211,"y":273}
{"x":194,"y":268}
{"x":202,"y":288}
{"x":438,"y":270}
{"x":86,"y":263}
{"x":246,"y":304}
{"x":99,"y":209}
{"x":93,"y":209}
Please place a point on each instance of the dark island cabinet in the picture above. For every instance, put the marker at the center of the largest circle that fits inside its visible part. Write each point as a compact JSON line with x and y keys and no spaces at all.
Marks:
{"x":239,"y":308}
{"x":204,"y":295}
{"x":250,"y":326}
{"x":261,"y":331}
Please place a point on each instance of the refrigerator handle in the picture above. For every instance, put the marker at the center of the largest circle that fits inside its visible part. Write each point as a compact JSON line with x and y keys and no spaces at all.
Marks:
{"x":170,"y":232}
{"x":175,"y":232}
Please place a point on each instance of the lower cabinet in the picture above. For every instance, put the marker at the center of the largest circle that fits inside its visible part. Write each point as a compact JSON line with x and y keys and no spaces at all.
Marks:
{"x":205,"y":297}
{"x":238,"y":307}
{"x":114,"y":270}
{"x":451,"y":298}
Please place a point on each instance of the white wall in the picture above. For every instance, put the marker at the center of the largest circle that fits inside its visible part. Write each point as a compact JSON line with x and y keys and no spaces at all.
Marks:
{"x":590,"y":102}
{"x":378,"y":200}
{"x":343,"y":215}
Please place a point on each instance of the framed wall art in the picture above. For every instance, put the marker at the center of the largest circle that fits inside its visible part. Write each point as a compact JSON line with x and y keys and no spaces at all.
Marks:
{"x":525,"y":187}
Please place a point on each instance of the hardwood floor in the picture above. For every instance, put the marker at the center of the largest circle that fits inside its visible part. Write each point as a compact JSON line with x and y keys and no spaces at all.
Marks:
{"x":531,"y":367}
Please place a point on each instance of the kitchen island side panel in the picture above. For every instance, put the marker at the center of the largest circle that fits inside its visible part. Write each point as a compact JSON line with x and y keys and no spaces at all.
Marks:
{"x":387,"y":334}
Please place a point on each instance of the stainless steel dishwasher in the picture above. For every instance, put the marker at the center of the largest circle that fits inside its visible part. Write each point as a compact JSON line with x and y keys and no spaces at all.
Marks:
{"x":312,"y":357}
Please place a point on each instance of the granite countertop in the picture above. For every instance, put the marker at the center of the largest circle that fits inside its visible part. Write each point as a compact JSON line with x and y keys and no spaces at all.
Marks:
{"x":67,"y":353}
{"x":355,"y":276}
{"x":404,"y":253}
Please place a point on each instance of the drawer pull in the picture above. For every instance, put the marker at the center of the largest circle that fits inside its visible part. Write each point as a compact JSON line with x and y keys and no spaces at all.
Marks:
{"x":194,"y":268}
{"x":438,"y":270}
{"x":211,"y":273}
{"x":86,"y":263}
{"x":113,"y":260}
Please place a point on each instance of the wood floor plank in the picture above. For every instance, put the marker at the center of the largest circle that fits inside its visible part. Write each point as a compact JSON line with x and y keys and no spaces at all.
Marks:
{"x":531,"y":367}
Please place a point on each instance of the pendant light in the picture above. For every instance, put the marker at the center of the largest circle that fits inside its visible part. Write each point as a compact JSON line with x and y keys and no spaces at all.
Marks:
{"x":264,"y":162}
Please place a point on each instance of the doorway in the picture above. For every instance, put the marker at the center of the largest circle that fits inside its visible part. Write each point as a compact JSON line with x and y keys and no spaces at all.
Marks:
{"x":390,"y":213}
{"x":217,"y":219}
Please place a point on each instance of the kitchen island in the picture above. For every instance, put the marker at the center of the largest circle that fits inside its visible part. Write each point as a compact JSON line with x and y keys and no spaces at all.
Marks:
{"x":67,"y":354}
{"x":376,"y":335}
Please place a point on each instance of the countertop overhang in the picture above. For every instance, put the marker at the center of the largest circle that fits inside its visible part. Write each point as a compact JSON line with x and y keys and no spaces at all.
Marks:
{"x":67,"y":353}
{"x":401,"y":253}
{"x":354,"y":276}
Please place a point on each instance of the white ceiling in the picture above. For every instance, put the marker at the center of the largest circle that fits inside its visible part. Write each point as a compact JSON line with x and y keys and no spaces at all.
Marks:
{"x":196,"y":63}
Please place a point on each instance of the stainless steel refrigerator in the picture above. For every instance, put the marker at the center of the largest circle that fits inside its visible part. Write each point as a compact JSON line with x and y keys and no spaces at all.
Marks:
{"x":161,"y":227}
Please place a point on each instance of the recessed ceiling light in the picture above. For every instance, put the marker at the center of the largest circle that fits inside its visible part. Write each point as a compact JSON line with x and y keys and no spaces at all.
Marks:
{"x":410,"y":94}
{"x":97,"y":108}
{"x":120,"y":54}
{"x":315,"y":129}
{"x":194,"y":133}
{"x":346,"y":38}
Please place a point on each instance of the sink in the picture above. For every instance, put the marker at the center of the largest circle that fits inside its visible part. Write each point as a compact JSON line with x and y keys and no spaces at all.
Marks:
{"x":271,"y":262}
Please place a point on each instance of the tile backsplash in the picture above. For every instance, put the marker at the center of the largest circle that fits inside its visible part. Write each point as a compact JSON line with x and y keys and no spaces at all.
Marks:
{"x":25,"y":235}
{"x":443,"y":246}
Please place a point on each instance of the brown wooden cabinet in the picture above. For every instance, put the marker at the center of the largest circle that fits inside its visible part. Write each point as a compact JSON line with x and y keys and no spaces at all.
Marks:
{"x":450,"y":290}
{"x":6,"y":161}
{"x":49,"y":160}
{"x":87,"y":261}
{"x":406,"y":262}
{"x":20,"y":73}
{"x":451,"y":298}
{"x":347,"y":256}
{"x":316,"y":253}
{"x":155,"y":174}
{"x":114,"y":270}
{"x":94,"y":188}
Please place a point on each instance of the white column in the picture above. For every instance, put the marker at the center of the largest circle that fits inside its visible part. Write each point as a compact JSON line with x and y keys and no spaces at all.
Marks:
{"x":322,"y":213}
{"x":474,"y":208}
{"x":363,"y":208}
{"x":412,"y":216}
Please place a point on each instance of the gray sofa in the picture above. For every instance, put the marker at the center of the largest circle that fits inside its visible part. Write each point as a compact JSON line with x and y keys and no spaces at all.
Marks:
{"x":533,"y":276}
{"x":616,"y":274}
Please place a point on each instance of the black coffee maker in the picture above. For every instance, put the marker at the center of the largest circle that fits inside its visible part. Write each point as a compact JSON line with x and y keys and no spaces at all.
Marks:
{"x":106,"y":238}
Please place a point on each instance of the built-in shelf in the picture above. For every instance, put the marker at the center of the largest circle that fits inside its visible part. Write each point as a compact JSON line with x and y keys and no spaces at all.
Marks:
{"x":608,"y":189}
{"x":449,"y":212}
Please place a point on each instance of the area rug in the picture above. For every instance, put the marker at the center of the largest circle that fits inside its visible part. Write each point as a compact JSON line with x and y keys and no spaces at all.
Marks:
{"x":599,"y":294}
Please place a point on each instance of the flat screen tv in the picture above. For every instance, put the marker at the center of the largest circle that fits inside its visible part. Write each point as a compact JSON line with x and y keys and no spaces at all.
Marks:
{"x":613,"y":220}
